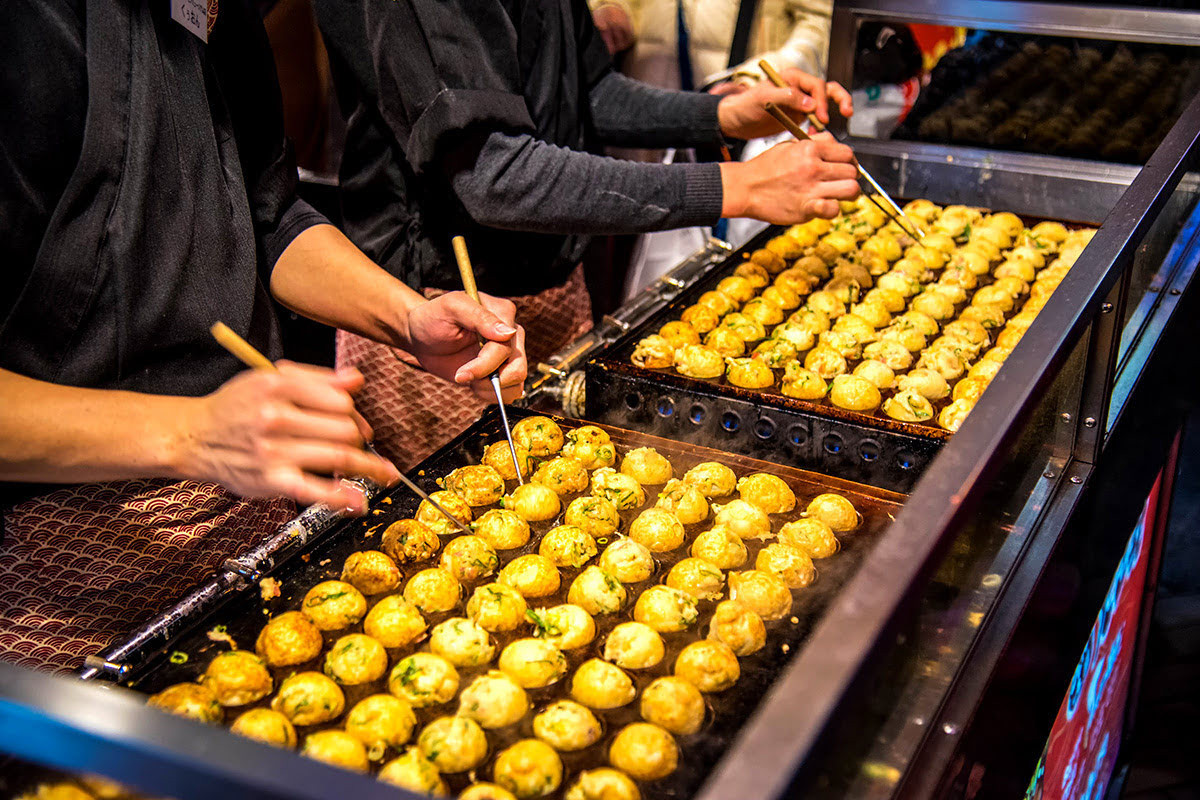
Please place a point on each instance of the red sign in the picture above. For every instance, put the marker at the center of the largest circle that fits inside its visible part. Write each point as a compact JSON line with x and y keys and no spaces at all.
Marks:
{"x":1081,"y":752}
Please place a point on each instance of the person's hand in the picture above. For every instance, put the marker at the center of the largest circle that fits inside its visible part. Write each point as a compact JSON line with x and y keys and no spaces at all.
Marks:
{"x":743,"y":116}
{"x":792,"y":182}
{"x":267,"y":434}
{"x":443,"y":337}
{"x":615,"y":26}
{"x":726,"y":88}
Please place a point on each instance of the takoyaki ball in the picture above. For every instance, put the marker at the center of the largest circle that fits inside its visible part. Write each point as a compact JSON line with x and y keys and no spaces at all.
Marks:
{"x":394,"y":622}
{"x":926,"y":383}
{"x":762,"y":312}
{"x":497,"y":607}
{"x":702,"y":318}
{"x":997,"y":354}
{"x":890,"y":299}
{"x":810,"y":535}
{"x":627,"y":561}
{"x":879,"y":374}
{"x":191,"y":700}
{"x":529,"y":769}
{"x":679,"y":333}
{"x":356,"y":659}
{"x":289,"y":639}
{"x":712,"y":479}
{"x":899,"y":282}
{"x":782,"y":296}
{"x":952,"y":292}
{"x":720,"y":547}
{"x":803,"y":384}
{"x":770,"y":261}
{"x":1010,"y":337}
{"x":646,"y":752}
{"x":985,"y":250}
{"x":563,"y":475}
{"x":567,"y":626}
{"x":717,"y":302}
{"x":498,"y":455}
{"x":872,"y":313}
{"x":811,"y":320}
{"x":469,"y":558}
{"x":603,"y":784}
{"x":738,"y":628}
{"x":591,"y":447}
{"x":931,"y":257}
{"x":597,"y":591}
{"x":921,"y":209}
{"x":333,"y":605}
{"x":533,"y":663}
{"x":958,"y":276}
{"x":57,"y":791}
{"x":478,"y":484}
{"x":698,"y":361}
{"x":423,"y":680}
{"x":882,"y":245}
{"x":699,"y":578}
{"x":994,"y":236}
{"x":761,"y":592}
{"x":953,"y":415}
{"x":462,"y":642}
{"x":748,"y":373}
{"x":974,"y":262}
{"x":768,"y":492}
{"x":336,"y":748}
{"x":657,"y":530}
{"x":1016,"y":268}
{"x":827,"y":303}
{"x":452,"y":504}
{"x":647,"y":466}
{"x":381,"y":721}
{"x":666,"y":609}
{"x":985,"y":370}
{"x":531,"y":575}
{"x":371,"y":572}
{"x":632,"y":645}
{"x":972,"y":332}
{"x":969,"y":389}
{"x":744,"y":519}
{"x":486,"y":791}
{"x":909,"y":338}
{"x":414,"y":772}
{"x":433,"y":591}
{"x":309,"y":698}
{"x":266,"y":726}
{"x":1006,"y":221}
{"x":989,"y":316}
{"x":593,"y":515}
{"x":845,"y":344}
{"x":731,"y":336}
{"x":908,"y":405}
{"x":790,"y":564}
{"x":568,"y":546}
{"x":622,"y":490}
{"x":409,"y":541}
{"x":453,"y":744}
{"x":825,"y":361}
{"x":799,"y":282}
{"x":541,"y":436}
{"x":735,"y":288}
{"x":567,"y":726}
{"x":237,"y":678}
{"x":674,"y":704}
{"x":502,"y":529}
{"x":599,"y":684}
{"x":652,"y":352}
{"x":915,"y":270}
{"x":494,"y":700}
{"x":708,"y":665}
{"x":940,"y":241}
{"x":834,"y":510}
{"x":874,"y":263}
{"x":943,"y":361}
{"x":933,"y":304}
{"x":533,"y":502}
{"x":993,"y":295}
{"x":854,"y":393}
{"x":1054,"y":232}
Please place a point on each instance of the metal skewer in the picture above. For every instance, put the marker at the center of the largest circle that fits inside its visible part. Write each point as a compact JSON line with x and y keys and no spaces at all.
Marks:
{"x":916,"y":232}
{"x":248,"y":355}
{"x":795,"y":130}
{"x":468,"y":279}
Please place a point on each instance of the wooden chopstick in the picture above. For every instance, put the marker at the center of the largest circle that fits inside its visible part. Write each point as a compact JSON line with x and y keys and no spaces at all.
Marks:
{"x":241,"y":349}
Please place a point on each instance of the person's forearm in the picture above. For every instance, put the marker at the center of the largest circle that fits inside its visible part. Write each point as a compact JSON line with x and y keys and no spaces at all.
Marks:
{"x":517,"y":182}
{"x":323,"y":276}
{"x":64,"y":434}
{"x":629,"y":113}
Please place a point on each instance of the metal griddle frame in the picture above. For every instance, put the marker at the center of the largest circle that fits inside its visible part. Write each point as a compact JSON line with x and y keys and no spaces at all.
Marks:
{"x":79,"y":725}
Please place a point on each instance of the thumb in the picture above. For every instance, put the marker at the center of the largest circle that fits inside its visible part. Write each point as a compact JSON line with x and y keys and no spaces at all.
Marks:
{"x":475,"y":318}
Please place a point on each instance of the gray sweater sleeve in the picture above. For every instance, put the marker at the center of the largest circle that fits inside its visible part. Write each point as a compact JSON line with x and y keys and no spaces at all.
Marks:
{"x":517,"y":182}
{"x":629,"y":113}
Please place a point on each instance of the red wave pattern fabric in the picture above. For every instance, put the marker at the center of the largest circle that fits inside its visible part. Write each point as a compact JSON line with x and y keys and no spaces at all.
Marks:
{"x":414,"y":413}
{"x":85,"y":565}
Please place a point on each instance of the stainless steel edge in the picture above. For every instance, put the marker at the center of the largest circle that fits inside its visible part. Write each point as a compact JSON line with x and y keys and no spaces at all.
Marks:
{"x":774,"y":749}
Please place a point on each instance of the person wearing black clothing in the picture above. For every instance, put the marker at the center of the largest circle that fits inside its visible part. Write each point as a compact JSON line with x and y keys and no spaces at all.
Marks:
{"x":148,"y":192}
{"x":486,"y":118}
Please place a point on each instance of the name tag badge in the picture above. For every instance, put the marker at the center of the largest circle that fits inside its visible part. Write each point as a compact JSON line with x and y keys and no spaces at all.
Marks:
{"x":197,"y":16}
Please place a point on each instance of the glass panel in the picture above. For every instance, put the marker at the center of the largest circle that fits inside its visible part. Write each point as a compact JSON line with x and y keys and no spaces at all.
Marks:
{"x":870,"y":762}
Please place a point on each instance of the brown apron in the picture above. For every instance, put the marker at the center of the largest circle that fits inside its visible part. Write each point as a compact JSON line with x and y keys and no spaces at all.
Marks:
{"x":414,"y":413}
